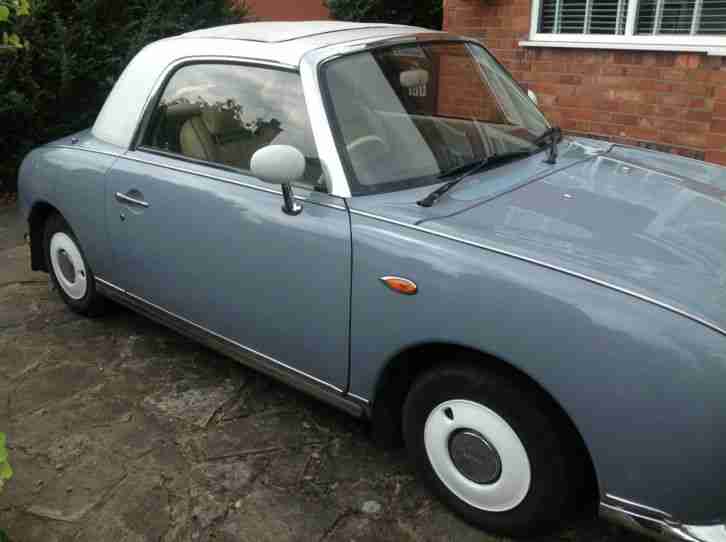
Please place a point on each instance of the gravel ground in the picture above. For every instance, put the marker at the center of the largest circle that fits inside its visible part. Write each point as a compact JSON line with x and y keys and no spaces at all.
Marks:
{"x":120,"y":430}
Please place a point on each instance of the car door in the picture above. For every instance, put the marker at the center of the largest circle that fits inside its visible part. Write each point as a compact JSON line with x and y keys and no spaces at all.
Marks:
{"x":194,"y":234}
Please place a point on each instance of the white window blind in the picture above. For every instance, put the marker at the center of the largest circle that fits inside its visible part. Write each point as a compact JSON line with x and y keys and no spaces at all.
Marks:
{"x":669,"y":24}
{"x":712,"y":17}
{"x":691,"y":17}
{"x":583,"y":16}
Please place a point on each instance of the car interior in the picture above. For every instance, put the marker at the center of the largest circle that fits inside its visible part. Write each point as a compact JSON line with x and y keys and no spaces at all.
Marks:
{"x":217,"y":135}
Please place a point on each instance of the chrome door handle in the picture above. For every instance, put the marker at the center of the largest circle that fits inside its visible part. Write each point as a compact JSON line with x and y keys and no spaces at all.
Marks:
{"x":123,"y":198}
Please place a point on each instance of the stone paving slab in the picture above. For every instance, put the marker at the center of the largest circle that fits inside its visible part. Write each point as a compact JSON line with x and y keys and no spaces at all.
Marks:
{"x":120,"y":430}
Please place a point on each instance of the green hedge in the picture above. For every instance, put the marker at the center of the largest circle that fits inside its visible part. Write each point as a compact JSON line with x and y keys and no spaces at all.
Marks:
{"x":77,"y":48}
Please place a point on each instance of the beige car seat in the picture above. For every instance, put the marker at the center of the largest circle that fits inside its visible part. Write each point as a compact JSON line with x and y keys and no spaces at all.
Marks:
{"x":217,"y":136}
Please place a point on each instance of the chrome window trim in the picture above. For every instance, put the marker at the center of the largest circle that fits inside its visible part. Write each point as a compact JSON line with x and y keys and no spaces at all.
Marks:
{"x":224,"y":179}
{"x":546,"y":265}
{"x":85,"y":149}
{"x":359,"y":398}
{"x":247,"y":356}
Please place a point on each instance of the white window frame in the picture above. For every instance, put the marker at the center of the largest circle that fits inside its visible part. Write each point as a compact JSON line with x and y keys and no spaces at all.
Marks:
{"x":712,"y":45}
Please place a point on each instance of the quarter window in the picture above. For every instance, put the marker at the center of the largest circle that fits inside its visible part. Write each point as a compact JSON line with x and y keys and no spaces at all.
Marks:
{"x":224,"y":113}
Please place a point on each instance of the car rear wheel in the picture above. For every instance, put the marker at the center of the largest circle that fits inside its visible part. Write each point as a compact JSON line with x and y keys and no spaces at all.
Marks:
{"x":69,"y":270}
{"x":492,"y":448}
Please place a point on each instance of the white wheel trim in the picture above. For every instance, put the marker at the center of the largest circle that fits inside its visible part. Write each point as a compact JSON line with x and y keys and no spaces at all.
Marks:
{"x":63,"y":242}
{"x":516,"y":476}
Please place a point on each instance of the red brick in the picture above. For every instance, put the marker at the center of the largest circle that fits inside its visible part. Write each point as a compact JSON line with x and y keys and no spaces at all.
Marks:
{"x":641,"y":133}
{"x":571,"y":79}
{"x":719,"y":109}
{"x":612,"y":69}
{"x":719,"y":157}
{"x":716,"y":141}
{"x":686,"y":60}
{"x":673,"y":99}
{"x":697,"y":127}
{"x":718,"y":77}
{"x":627,"y":58}
{"x":674,"y":75}
{"x":700,"y":116}
{"x":666,"y":124}
{"x":685,"y":138}
{"x":630,"y":120}
{"x":718,"y":126}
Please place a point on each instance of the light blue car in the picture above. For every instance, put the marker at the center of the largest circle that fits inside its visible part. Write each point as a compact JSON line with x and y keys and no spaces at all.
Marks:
{"x":380,"y":216}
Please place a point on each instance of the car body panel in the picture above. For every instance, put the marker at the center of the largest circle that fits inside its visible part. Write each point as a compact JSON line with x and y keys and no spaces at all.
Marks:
{"x":642,"y":385}
{"x":69,"y":175}
{"x":615,"y":221}
{"x":234,"y":273}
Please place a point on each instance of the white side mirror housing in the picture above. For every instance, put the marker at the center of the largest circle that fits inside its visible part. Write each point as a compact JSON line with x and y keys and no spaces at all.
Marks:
{"x":281,"y":165}
{"x":278,"y":164}
{"x":533,"y":96}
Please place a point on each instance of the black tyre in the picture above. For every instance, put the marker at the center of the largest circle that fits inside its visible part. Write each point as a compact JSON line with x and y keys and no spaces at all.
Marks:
{"x":69,"y":270}
{"x":493,"y":448}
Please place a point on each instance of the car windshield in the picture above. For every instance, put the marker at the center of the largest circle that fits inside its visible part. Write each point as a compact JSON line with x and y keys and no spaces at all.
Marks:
{"x":406,"y":114}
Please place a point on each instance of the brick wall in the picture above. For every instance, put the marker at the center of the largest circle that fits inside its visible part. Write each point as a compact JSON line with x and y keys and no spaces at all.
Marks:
{"x":286,"y":10}
{"x":459,"y":89}
{"x":669,"y":101}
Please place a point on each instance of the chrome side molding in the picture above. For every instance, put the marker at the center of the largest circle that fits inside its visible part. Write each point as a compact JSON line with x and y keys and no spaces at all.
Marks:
{"x":656,"y":523}
{"x":267,"y":365}
{"x":636,"y":507}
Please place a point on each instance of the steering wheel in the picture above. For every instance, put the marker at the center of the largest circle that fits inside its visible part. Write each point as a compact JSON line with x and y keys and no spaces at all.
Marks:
{"x":368,"y":142}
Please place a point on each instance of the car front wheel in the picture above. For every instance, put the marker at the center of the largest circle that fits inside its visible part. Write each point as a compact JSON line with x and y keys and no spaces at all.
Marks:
{"x":492,"y":448}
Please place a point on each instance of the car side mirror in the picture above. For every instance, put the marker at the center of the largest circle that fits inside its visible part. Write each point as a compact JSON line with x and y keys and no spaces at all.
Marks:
{"x":280,"y":165}
{"x":533,"y":96}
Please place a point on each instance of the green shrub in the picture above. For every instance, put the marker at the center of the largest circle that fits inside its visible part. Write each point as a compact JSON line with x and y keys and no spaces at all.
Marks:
{"x":6,"y":472}
{"x":77,"y":49}
{"x":426,"y":13}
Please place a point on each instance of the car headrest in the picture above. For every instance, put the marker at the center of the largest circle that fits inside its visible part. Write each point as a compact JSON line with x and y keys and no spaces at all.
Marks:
{"x":182,"y":111}
{"x":414,"y":78}
{"x":220,"y":122}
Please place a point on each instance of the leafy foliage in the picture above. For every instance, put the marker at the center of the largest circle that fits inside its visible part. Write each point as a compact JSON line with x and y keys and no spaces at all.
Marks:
{"x":427,"y":13}
{"x":356,"y":10}
{"x":6,"y":472}
{"x":77,"y":48}
{"x":13,"y":13}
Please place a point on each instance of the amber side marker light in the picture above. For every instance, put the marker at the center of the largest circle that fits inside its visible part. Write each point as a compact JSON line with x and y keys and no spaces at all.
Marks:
{"x":400,"y":285}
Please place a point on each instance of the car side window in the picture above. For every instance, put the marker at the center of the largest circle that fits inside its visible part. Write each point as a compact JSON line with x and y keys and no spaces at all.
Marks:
{"x":224,"y":113}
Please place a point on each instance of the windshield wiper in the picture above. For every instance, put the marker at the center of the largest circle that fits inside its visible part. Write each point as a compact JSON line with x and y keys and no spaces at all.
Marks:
{"x":465,"y":170}
{"x":552,"y":136}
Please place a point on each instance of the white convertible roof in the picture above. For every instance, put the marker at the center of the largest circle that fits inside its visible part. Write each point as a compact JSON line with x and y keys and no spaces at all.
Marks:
{"x":276,"y":32}
{"x":284,"y":43}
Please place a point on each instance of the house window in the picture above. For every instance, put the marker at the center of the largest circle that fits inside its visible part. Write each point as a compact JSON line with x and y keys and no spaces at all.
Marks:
{"x":687,"y":25}
{"x":583,"y":16}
